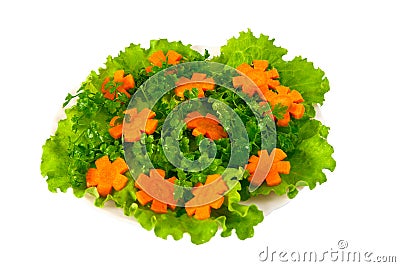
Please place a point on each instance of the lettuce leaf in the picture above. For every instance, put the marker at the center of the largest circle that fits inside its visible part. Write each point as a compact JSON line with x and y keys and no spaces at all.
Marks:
{"x":70,"y":152}
{"x":83,"y":137}
{"x":307,"y":148}
{"x":247,"y":47}
{"x":185,"y":50}
{"x":299,"y":74}
{"x":132,"y":60}
{"x":231,"y":216}
{"x":311,"y":156}
{"x":55,"y":159}
{"x":241,"y":218}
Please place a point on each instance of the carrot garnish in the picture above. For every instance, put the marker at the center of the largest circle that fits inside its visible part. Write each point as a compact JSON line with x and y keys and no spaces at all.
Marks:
{"x":264,"y":160}
{"x":262,"y":78}
{"x":156,"y":190}
{"x":107,"y":175}
{"x":206,"y":125}
{"x":135,"y":125}
{"x":289,"y":98}
{"x":207,"y":196}
{"x":127,"y":83}
{"x":259,"y":79}
{"x":158,"y":58}
{"x":198,"y":80}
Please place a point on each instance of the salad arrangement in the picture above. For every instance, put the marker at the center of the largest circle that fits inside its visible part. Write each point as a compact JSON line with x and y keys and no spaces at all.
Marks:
{"x":179,"y":140}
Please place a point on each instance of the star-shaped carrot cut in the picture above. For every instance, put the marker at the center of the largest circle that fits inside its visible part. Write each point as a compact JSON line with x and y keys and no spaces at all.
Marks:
{"x":207,"y":196}
{"x":107,"y":175}
{"x":134,"y":125}
{"x":264,"y":161}
{"x":206,"y":125}
{"x":198,"y":80}
{"x":157,"y":190}
{"x":291,"y":99}
{"x":256,"y":77}
{"x":127,"y":83}
{"x":158,"y":58}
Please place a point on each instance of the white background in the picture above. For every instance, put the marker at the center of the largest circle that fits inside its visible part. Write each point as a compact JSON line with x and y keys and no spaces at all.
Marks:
{"x":49,"y":47}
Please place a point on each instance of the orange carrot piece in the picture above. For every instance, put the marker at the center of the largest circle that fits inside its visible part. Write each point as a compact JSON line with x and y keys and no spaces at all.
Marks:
{"x":113,"y":121}
{"x":206,"y":196}
{"x":271,"y":89}
{"x":289,"y":98}
{"x":138,"y":123}
{"x":282,"y":90}
{"x":273,"y":179}
{"x":173,"y":57}
{"x":132,"y":129}
{"x":245,"y":68}
{"x":92,"y":177}
{"x":263,"y":80}
{"x":127,"y":83}
{"x":264,"y":160}
{"x":260,"y":64}
{"x":277,"y":154}
{"x":157,"y":58}
{"x":143,"y":198}
{"x":162,"y":189}
{"x":212,"y":178}
{"x":107,"y":175}
{"x":119,"y":182}
{"x":158,"y":206}
{"x":285,"y":121}
{"x":296,"y":96}
{"x":119,"y":76}
{"x":120,"y":165}
{"x":284,"y":100}
{"x":116,"y":131}
{"x":151,"y":126}
{"x":297,"y":110}
{"x":198,"y":80}
{"x":206,"y":125}
{"x":198,"y":76}
{"x":283,"y":167}
{"x":272,"y":74}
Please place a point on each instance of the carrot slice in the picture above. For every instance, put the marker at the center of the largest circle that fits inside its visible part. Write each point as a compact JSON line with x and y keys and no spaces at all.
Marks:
{"x":260,"y":64}
{"x":107,"y":175}
{"x":143,"y":198}
{"x":113,"y":120}
{"x":127,"y":83}
{"x":157,"y":58}
{"x":206,"y":125}
{"x":173,"y":57}
{"x":198,"y":80}
{"x":291,"y":99}
{"x":151,"y":126}
{"x":263,"y":79}
{"x":116,"y":131}
{"x":263,"y":160}
{"x":206,"y":196}
{"x":137,"y":124}
{"x":297,"y":110}
{"x":154,"y":188}
{"x":119,"y":76}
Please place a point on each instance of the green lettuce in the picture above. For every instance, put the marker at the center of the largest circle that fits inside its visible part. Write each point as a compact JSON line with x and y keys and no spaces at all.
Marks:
{"x":310,"y":157}
{"x":185,"y":50}
{"x":247,"y":47}
{"x":304,"y":140}
{"x":83,"y":137}
{"x":55,"y":158}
